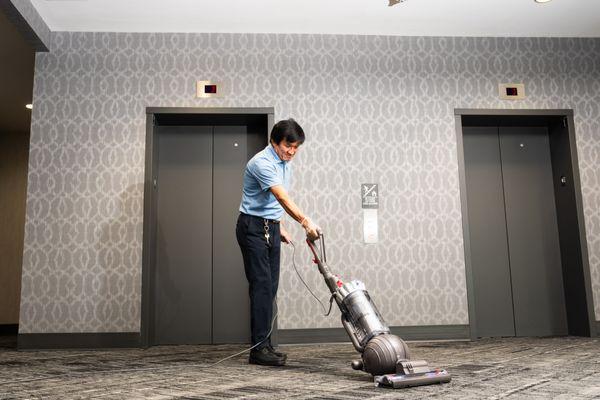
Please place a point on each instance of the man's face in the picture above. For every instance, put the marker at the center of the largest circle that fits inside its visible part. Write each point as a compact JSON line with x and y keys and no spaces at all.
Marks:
{"x":286,"y":150}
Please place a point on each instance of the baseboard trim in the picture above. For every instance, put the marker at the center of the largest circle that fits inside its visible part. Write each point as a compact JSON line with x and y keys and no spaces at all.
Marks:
{"x":31,"y":341}
{"x":328,"y":335}
{"x":36,"y":341}
{"x":9,"y":329}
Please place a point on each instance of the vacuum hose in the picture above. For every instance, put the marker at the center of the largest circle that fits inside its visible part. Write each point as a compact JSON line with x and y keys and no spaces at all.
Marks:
{"x":370,"y":336}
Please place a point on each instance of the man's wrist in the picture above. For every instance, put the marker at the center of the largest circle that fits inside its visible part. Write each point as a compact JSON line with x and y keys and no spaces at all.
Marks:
{"x":305,"y":222}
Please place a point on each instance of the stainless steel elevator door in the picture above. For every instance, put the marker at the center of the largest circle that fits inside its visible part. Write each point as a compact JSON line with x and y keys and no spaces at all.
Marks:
{"x":513,"y":232}
{"x":200,"y":290}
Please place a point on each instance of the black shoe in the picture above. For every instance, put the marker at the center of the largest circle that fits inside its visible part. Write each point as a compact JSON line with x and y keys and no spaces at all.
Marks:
{"x":277,"y":353}
{"x":265,"y":357}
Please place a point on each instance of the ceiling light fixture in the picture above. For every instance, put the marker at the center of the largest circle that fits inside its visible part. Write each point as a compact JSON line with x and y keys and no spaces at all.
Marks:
{"x":29,"y":106}
{"x":542,"y":1}
{"x":394,"y":2}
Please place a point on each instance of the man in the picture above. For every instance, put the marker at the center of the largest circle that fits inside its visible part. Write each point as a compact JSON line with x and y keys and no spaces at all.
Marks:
{"x":259,"y":232}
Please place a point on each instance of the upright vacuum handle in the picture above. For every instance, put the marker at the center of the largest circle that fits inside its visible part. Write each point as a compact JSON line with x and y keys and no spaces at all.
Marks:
{"x":313,"y":248}
{"x":330,"y":279}
{"x":323,"y":255}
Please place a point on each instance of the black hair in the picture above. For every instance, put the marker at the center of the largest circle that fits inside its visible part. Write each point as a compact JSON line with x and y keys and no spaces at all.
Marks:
{"x":289,"y":130}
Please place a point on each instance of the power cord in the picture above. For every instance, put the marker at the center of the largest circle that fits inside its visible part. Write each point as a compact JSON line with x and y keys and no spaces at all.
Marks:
{"x":326,"y":313}
{"x":248,"y":349}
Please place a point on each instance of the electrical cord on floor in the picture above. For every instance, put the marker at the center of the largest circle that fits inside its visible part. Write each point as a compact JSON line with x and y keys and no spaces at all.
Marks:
{"x":248,"y":349}
{"x":276,"y":313}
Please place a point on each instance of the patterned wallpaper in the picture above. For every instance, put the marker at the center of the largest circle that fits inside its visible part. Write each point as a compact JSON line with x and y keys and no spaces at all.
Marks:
{"x":375,"y":109}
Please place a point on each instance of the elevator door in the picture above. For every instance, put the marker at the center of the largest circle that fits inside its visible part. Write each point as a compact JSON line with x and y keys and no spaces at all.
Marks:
{"x":515,"y":254}
{"x":200,"y":291}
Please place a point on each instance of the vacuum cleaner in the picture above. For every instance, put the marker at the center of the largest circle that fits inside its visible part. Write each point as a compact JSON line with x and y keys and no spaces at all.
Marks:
{"x":384,"y":355}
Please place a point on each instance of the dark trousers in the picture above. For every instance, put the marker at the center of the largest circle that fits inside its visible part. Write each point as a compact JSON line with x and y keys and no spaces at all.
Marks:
{"x":261,"y":264}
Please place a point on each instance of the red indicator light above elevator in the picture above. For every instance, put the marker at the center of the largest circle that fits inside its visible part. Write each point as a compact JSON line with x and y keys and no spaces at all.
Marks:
{"x":212,"y":89}
{"x":511,"y":91}
{"x":205,"y":89}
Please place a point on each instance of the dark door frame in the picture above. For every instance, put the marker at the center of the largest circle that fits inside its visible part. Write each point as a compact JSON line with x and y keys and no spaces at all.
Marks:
{"x":568,"y":116}
{"x":149,"y":226}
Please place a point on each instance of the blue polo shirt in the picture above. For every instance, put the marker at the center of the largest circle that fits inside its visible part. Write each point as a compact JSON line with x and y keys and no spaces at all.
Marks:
{"x":262,"y":172}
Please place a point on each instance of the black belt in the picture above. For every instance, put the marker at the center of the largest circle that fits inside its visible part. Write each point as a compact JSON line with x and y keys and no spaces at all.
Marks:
{"x":272,"y":221}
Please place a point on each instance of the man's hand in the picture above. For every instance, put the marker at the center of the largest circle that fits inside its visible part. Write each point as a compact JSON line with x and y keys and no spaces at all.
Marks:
{"x":285,"y":236}
{"x":312,"y":230}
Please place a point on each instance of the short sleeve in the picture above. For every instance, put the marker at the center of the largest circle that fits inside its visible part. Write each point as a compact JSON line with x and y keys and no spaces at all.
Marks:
{"x":266,"y":174}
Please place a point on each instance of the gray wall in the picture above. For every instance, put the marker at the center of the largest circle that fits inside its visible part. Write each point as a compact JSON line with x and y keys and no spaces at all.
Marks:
{"x":375,"y":109}
{"x":16,"y":85}
{"x":14,"y":150}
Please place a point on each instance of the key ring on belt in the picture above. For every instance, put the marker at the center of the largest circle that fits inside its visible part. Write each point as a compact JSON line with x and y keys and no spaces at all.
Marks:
{"x":267,"y":235}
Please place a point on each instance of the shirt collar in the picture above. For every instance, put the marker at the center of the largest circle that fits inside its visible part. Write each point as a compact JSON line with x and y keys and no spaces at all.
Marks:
{"x":274,"y":154}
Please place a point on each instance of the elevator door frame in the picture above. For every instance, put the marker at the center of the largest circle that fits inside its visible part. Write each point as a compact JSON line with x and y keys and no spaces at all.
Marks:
{"x":494,"y":116}
{"x":150,"y":198}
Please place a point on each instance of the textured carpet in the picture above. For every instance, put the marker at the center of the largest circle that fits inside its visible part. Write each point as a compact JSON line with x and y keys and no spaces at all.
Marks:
{"x":519,"y":368}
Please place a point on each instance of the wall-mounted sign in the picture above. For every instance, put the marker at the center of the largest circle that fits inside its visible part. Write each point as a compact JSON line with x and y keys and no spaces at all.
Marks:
{"x":206,"y":89}
{"x":370,"y":195}
{"x":370,"y":203}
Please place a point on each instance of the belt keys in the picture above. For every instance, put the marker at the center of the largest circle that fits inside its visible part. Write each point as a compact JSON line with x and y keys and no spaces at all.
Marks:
{"x":267,"y":235}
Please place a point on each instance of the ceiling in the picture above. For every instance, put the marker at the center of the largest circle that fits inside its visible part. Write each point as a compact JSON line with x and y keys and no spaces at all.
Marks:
{"x":573,"y":18}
